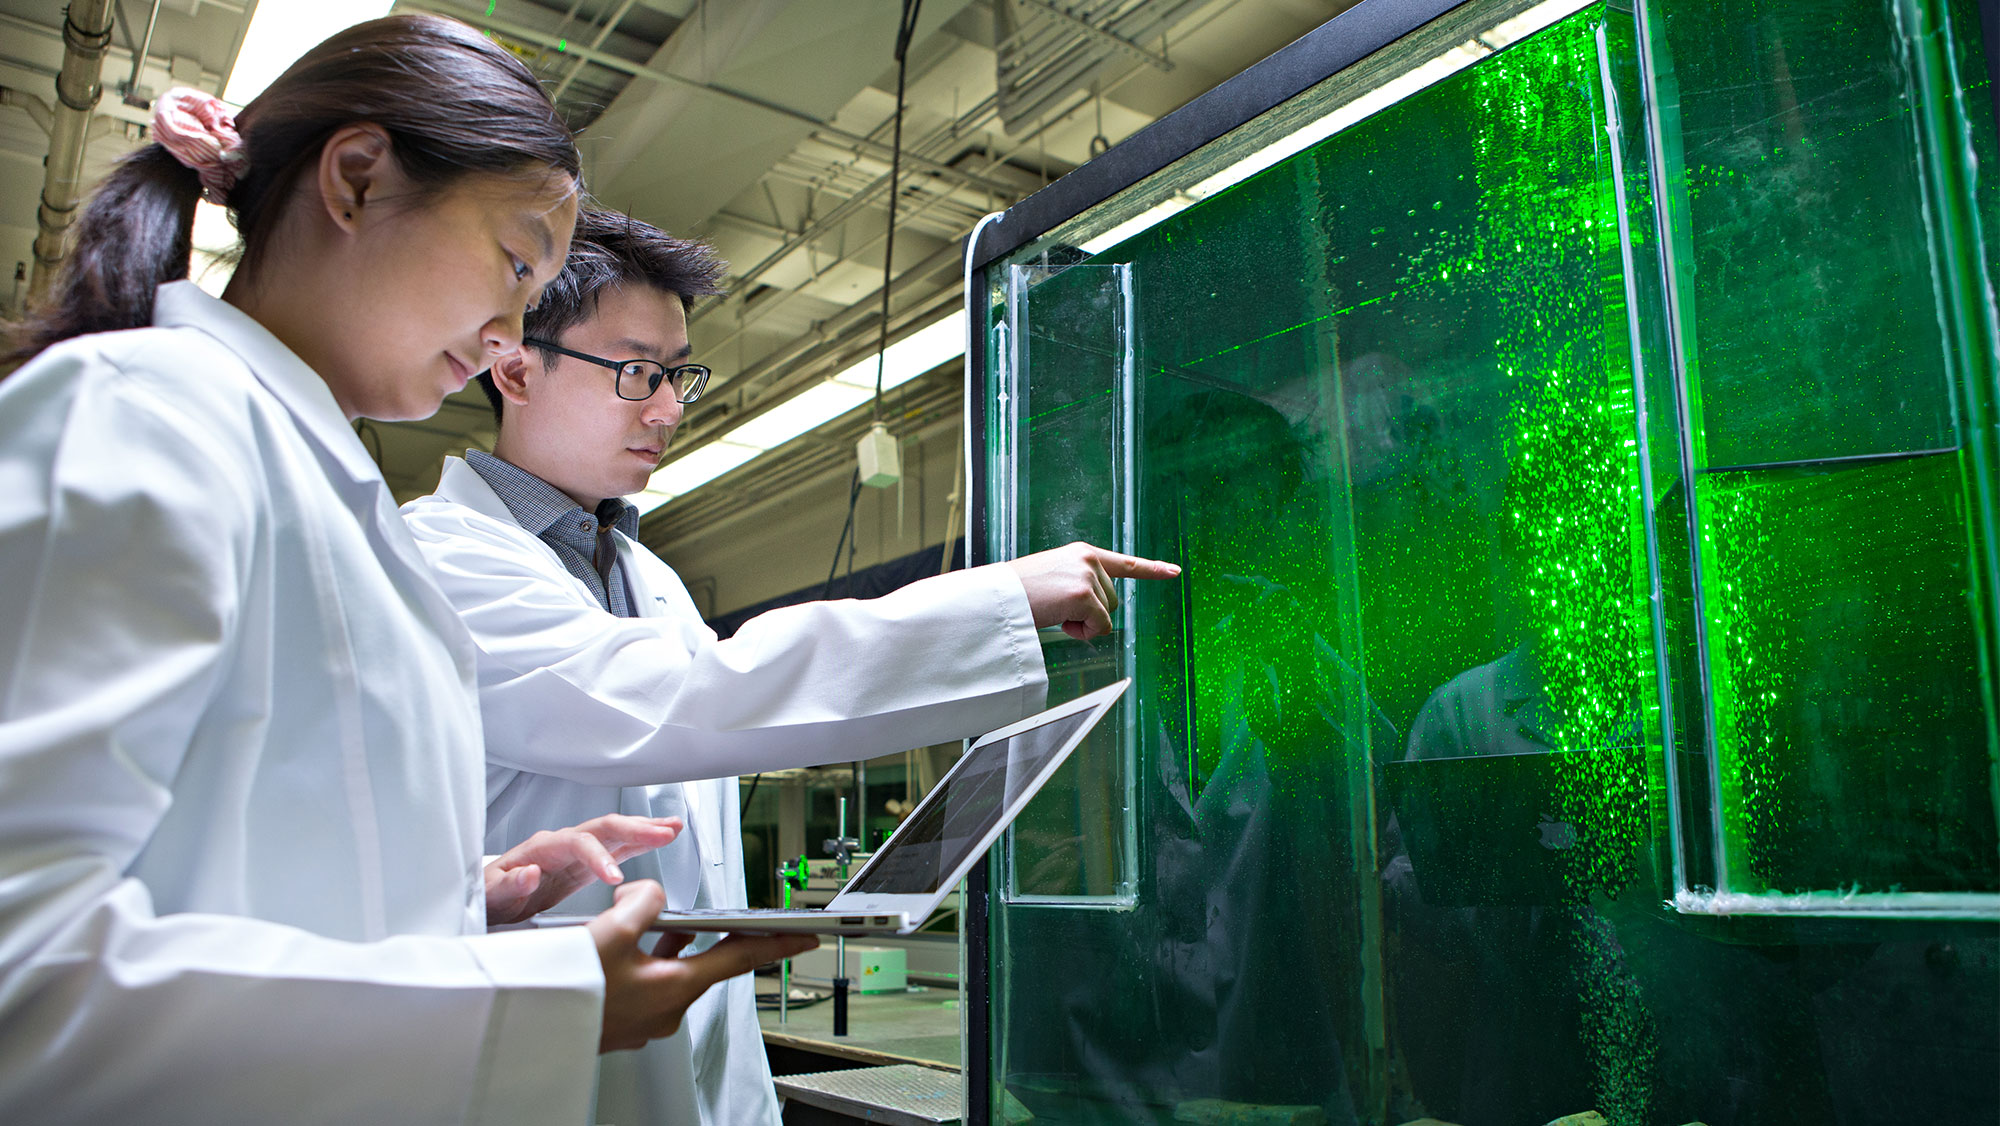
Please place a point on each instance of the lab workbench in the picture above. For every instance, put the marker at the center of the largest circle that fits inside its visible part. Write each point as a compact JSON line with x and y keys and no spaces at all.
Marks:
{"x":919,"y":1028}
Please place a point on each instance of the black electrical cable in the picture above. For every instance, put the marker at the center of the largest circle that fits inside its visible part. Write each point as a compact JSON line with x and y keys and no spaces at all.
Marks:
{"x":853,"y":494}
{"x":906,"y":27}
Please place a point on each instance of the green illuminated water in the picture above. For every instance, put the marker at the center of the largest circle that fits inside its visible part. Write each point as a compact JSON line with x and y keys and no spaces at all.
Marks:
{"x":1847,"y":689}
{"x":1456,"y":678}
{"x":1852,"y":736}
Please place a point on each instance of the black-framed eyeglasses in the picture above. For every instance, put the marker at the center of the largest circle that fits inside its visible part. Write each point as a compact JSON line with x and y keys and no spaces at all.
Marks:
{"x":638,"y":379}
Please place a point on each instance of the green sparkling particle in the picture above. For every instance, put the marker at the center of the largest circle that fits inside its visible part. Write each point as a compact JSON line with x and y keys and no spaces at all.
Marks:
{"x":1574,"y":509}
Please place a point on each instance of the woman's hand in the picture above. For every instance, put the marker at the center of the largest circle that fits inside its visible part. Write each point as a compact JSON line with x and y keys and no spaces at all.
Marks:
{"x":646,"y":995}
{"x":545,"y":869}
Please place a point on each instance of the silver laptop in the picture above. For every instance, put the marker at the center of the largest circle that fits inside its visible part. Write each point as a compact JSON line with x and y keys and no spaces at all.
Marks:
{"x":937,"y":844}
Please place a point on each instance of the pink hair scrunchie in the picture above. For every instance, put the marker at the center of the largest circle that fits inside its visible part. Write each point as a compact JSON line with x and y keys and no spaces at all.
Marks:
{"x":198,"y":129}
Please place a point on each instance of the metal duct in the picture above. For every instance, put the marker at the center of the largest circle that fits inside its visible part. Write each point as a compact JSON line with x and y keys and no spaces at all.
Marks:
{"x":1046,"y":50}
{"x":86,"y":35}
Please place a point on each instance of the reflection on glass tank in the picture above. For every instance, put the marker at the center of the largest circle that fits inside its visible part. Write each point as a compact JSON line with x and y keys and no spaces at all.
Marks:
{"x":1578,"y":698}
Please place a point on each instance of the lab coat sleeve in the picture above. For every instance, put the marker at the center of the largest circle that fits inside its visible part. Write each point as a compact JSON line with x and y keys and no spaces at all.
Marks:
{"x":573,"y":692}
{"x":126,"y":534}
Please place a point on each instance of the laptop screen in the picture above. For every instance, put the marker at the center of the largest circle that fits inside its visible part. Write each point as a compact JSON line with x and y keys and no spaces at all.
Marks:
{"x":927,"y":852}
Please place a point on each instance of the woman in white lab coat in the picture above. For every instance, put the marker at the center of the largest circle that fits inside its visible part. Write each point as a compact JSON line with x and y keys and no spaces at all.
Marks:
{"x":240,"y":756}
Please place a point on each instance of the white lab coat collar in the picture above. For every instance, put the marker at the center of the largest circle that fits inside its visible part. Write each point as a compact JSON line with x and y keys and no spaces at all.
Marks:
{"x":183,"y":304}
{"x":462,"y":484}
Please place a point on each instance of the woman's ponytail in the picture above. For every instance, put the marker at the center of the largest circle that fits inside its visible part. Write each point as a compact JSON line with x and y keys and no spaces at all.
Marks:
{"x":134,"y":234}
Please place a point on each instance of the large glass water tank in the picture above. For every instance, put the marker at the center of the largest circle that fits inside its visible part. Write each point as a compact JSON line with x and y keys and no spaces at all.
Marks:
{"x":1576,"y":423}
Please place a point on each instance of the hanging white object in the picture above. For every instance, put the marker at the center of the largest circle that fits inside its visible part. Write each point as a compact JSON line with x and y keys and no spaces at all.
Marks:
{"x":881,"y":459}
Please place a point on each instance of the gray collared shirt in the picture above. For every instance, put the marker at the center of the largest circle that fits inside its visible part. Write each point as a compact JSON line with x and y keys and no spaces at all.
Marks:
{"x":582,"y":540}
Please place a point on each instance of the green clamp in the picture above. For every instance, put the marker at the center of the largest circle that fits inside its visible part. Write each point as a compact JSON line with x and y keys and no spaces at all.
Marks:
{"x":793,"y":878}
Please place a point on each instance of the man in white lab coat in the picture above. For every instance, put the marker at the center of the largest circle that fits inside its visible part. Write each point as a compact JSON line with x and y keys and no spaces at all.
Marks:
{"x":602,"y":689}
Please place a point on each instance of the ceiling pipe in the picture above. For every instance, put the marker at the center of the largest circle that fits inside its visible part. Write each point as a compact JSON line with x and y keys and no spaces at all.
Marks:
{"x":86,"y":36}
{"x":1103,"y":35}
{"x":117,"y":58}
{"x":834,"y":328}
{"x":132,"y":97}
{"x":596,"y":43}
{"x":794,"y":240}
{"x":21,"y":99}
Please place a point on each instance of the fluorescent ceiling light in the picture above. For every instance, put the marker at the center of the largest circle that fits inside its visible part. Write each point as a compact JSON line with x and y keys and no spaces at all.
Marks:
{"x":795,"y":416}
{"x":921,"y":351}
{"x":911,"y":356}
{"x":693,"y":471}
{"x":281,"y":31}
{"x":1409,"y":82}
